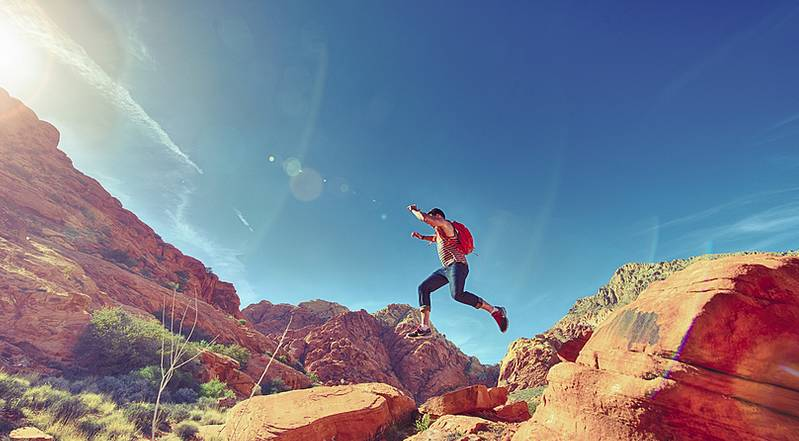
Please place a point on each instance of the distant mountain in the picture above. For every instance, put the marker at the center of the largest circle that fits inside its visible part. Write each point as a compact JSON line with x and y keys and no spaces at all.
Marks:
{"x":339,"y":345}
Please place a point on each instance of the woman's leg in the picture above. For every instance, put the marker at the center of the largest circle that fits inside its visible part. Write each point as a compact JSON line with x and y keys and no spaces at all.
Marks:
{"x":456,"y":273}
{"x":432,"y":283}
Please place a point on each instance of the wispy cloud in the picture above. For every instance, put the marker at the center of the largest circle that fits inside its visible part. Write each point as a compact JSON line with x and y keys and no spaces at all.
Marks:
{"x":785,"y":121}
{"x":35,"y":23}
{"x":242,"y":219}
{"x":715,"y":210}
{"x":225,"y":260}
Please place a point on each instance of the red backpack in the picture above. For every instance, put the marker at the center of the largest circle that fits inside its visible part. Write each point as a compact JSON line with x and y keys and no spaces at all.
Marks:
{"x":465,"y":239}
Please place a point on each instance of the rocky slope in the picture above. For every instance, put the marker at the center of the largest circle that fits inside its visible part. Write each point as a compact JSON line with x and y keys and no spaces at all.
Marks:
{"x":528,"y":360}
{"x":67,"y":248}
{"x":342,"y":346}
{"x":711,"y":353}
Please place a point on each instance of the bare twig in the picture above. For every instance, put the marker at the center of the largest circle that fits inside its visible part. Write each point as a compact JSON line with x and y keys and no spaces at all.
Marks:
{"x":178,"y":345}
{"x":280,"y":343}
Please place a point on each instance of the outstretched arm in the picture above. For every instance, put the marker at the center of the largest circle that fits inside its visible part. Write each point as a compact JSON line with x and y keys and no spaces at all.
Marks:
{"x":427,"y":238}
{"x":426,"y":218}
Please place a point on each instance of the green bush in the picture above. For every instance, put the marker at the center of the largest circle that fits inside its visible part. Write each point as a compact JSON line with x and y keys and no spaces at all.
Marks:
{"x":532,"y":396}
{"x":234,"y":351}
{"x":42,"y":397}
{"x":422,"y":423}
{"x":212,"y":416}
{"x":90,"y":426}
{"x":69,"y":408}
{"x":314,"y":378}
{"x":141,"y":415}
{"x":117,"y":342}
{"x":187,"y":430}
{"x":215,"y":389}
{"x":273,"y":387}
{"x":12,"y":387}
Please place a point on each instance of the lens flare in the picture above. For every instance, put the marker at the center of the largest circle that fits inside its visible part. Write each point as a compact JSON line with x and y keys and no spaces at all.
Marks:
{"x":292,"y":166}
{"x":306,"y":185}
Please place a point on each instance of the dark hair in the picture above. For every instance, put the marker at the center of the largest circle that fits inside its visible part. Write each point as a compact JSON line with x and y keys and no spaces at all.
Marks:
{"x":435,"y":211}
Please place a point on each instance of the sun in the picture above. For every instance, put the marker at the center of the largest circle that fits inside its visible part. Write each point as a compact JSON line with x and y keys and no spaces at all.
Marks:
{"x":20,"y":64}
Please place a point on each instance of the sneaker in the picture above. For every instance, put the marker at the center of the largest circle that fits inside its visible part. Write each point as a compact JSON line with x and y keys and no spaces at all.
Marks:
{"x":501,"y":317}
{"x":419,"y":332}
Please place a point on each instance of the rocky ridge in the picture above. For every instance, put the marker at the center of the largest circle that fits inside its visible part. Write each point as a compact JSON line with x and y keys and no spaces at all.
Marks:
{"x":528,"y":360}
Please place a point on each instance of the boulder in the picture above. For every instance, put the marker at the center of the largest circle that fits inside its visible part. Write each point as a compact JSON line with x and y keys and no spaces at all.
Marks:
{"x":711,"y":353}
{"x":516,"y":412}
{"x":357,"y":412}
{"x":464,"y":428}
{"x":29,"y":434}
{"x":466,"y":400}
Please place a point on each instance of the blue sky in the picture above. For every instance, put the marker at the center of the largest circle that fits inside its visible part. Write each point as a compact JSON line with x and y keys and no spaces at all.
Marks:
{"x":571,"y":137}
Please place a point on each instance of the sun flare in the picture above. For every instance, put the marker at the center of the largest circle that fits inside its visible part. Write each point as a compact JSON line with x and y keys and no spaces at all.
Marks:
{"x":20,"y":65}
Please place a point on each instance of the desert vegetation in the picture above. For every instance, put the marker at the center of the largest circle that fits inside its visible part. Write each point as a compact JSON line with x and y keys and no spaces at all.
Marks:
{"x":110,"y":395}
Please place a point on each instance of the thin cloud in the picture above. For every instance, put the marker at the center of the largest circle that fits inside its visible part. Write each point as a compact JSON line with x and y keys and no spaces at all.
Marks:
{"x":712,"y":211}
{"x":243,"y":220}
{"x":31,"y":19}
{"x":785,"y":122}
{"x":764,"y":229}
{"x":219,"y":257}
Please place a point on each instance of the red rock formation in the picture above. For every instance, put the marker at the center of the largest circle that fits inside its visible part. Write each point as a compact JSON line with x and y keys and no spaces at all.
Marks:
{"x":515,"y":412}
{"x":344,"y":346}
{"x":67,"y":248}
{"x":529,"y":359}
{"x":466,"y":400}
{"x":712,"y":353}
{"x":344,"y":413}
{"x":225,"y":369}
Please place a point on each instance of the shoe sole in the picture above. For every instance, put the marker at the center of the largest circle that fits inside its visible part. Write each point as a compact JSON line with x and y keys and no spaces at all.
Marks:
{"x":507,"y":322}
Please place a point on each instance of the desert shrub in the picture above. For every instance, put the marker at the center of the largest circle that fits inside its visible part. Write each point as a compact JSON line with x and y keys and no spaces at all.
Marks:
{"x":42,"y":397}
{"x":274,"y":386}
{"x":196,"y":414}
{"x":141,"y":415}
{"x":176,"y":413}
{"x":215,"y":389}
{"x":314,"y":378}
{"x":186,"y":430}
{"x":532,"y":396}
{"x":234,"y":351}
{"x":185,"y":395}
{"x":183,"y":280}
{"x":11,"y":416}
{"x":121,"y":257}
{"x":90,"y":426}
{"x":212,"y":416}
{"x":69,"y":408}
{"x":12,"y":387}
{"x":422,"y":423}
{"x":117,"y":342}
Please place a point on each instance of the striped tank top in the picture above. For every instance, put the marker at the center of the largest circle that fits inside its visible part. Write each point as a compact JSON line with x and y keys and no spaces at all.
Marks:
{"x":448,"y":251}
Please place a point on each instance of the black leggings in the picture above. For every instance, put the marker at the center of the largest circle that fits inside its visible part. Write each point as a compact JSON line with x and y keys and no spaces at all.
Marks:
{"x":455,"y":275}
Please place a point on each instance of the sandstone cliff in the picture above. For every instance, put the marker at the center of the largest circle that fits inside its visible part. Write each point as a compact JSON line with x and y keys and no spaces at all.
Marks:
{"x":711,"y":353}
{"x":67,"y":248}
{"x":528,"y":360}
